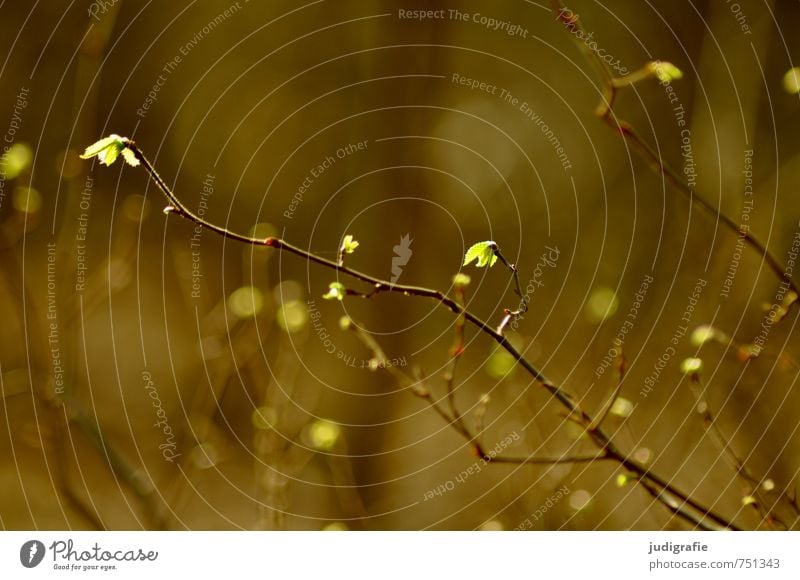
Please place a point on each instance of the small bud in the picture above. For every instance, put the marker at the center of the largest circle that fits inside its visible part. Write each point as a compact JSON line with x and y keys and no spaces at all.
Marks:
{"x":461,"y":281}
{"x":349,"y":244}
{"x":691,"y":366}
{"x":336,"y":291}
{"x":791,"y":81}
{"x":622,"y":407}
{"x":420,"y":391}
{"x":665,"y":72}
{"x":706,"y":333}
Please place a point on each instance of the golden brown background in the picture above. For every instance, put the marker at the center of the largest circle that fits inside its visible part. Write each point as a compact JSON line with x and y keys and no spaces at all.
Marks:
{"x":273,"y":431}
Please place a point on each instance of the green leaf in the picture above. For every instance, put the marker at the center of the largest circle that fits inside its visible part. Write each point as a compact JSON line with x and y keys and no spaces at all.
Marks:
{"x":109,"y":154}
{"x":483,"y":252}
{"x":130,"y":157}
{"x":349,"y":245}
{"x":336,"y":291}
{"x":109,"y":148}
{"x":102,"y":144}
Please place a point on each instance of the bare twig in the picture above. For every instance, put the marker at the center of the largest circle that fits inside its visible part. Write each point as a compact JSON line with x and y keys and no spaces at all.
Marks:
{"x":674,"y":507}
{"x":480,"y":415}
{"x":552,"y":460}
{"x":511,"y":315}
{"x":455,"y":419}
{"x":455,"y":355}
{"x":752,"y":483}
{"x":603,"y":413}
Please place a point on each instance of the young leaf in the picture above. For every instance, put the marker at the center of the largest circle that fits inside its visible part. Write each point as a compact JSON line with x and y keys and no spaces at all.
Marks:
{"x":102,"y":144}
{"x":665,"y":72}
{"x":336,"y":291}
{"x":483,"y":252}
{"x":108,"y":149}
{"x":130,"y":157}
{"x":349,"y":245}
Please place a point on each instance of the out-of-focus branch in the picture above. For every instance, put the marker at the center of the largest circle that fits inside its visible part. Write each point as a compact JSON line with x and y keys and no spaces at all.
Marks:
{"x":454,"y":417}
{"x":751,"y":483}
{"x":604,"y":410}
{"x":455,"y":355}
{"x":611,"y":86}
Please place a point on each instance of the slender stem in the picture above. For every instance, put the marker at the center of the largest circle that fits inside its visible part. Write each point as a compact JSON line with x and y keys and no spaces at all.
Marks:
{"x":511,"y":315}
{"x":552,"y":460}
{"x":480,"y":416}
{"x":738,"y":464}
{"x":673,"y":507}
{"x":176,"y":206}
{"x":455,"y":355}
{"x":604,"y":410}
{"x":454,"y":418}
{"x":575,"y":412}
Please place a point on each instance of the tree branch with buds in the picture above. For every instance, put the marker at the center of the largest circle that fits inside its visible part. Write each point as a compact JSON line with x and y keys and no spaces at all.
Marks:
{"x":485,"y":254}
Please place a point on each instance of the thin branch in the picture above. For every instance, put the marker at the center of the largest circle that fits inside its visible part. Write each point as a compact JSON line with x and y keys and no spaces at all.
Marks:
{"x":604,"y":410}
{"x":675,"y":508}
{"x":752,"y":483}
{"x":455,"y":420}
{"x":415,"y":384}
{"x":552,"y":460}
{"x":511,"y":315}
{"x":455,"y":355}
{"x":480,"y":415}
{"x":654,"y":486}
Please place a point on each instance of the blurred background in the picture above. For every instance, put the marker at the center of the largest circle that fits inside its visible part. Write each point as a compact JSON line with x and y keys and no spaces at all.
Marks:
{"x":157,"y":376}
